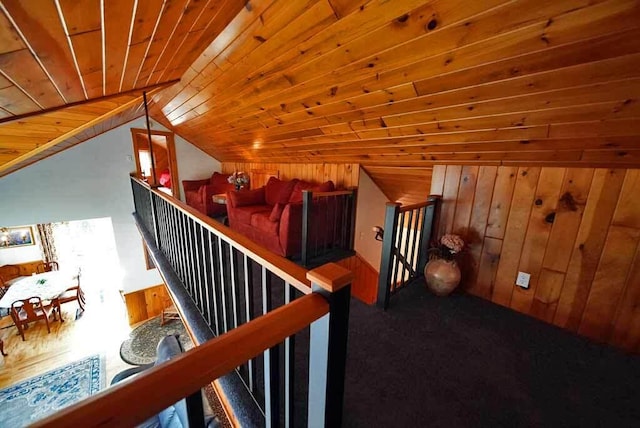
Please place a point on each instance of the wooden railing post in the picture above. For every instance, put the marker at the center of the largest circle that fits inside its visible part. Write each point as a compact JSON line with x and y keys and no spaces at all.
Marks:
{"x":388,"y":243}
{"x":428,"y":226}
{"x":307,"y":200}
{"x":328,"y":346}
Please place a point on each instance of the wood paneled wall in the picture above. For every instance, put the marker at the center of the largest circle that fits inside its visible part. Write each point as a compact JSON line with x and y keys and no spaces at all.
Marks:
{"x":575,"y":230}
{"x":365,"y":280}
{"x":146,"y":303}
{"x":342,"y":174}
{"x":25,"y":269}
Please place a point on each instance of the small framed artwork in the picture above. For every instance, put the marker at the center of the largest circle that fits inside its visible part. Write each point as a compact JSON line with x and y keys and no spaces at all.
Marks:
{"x":11,"y":237}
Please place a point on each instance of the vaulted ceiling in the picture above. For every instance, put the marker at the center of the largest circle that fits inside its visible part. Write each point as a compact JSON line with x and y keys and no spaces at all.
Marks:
{"x":406,"y":83}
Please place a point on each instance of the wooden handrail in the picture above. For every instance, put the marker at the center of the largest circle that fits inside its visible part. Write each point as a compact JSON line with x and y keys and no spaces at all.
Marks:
{"x":287,"y":270}
{"x":411,"y":207}
{"x":334,"y":193}
{"x":131,"y":402}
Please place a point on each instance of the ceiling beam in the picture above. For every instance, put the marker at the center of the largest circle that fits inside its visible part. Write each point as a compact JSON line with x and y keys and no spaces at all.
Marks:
{"x":92,"y":100}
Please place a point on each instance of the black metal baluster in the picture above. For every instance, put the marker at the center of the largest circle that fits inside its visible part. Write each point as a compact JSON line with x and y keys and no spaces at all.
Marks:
{"x":173,"y":231}
{"x":198,"y":265}
{"x":233,"y":268}
{"x":248,"y":297}
{"x":271,"y":363}
{"x":223,"y":283}
{"x":189,"y":258}
{"x":184,"y":262}
{"x":180,"y":241}
{"x":289,"y":365}
{"x":206,"y":274}
{"x":213,"y":244}
{"x":427,"y":228}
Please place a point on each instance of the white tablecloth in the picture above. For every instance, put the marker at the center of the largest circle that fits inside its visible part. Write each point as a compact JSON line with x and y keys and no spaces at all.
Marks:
{"x":47,"y":286}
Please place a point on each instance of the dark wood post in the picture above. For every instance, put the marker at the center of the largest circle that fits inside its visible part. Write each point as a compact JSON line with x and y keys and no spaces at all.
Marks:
{"x":388,"y":244}
{"x":307,"y":200}
{"x":328,"y":346}
{"x":428,"y":228}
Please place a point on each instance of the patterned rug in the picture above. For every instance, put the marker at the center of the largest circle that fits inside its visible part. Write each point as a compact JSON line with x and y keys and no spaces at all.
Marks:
{"x":33,"y":399}
{"x":140,"y":348}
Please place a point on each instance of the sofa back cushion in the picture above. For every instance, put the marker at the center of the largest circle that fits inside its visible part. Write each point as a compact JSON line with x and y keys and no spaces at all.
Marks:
{"x":296,"y":194}
{"x":246,"y":197}
{"x":218,"y":179}
{"x":278,"y":191}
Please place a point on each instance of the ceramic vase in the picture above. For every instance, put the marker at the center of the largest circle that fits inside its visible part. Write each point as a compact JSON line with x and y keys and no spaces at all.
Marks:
{"x":442,"y":276}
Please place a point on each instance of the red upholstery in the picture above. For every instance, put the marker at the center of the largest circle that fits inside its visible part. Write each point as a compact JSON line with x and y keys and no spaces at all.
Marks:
{"x":278,"y":191}
{"x":268,"y":217}
{"x":198,"y":193}
{"x":276,"y":212}
{"x":248,"y":197}
{"x":296,"y":194}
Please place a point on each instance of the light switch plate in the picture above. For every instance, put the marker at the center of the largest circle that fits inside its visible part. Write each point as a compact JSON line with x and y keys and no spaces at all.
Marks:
{"x":523,"y":279}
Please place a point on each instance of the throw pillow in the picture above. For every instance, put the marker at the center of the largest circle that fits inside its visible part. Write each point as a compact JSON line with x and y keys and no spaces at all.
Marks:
{"x":327,"y":186}
{"x":278,"y":191}
{"x":276,"y":212}
{"x":296,"y":194}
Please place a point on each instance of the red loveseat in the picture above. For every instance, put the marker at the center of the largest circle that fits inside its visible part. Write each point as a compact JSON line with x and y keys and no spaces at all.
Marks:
{"x":198,"y":193}
{"x":272,"y":215}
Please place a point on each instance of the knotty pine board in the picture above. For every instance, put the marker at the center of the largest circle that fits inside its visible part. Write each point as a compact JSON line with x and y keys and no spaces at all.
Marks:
{"x":342,"y":175}
{"x":575,"y":230}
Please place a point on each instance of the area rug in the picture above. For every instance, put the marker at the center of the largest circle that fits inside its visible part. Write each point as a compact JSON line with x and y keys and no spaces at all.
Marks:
{"x":36,"y":398}
{"x":140,"y":348}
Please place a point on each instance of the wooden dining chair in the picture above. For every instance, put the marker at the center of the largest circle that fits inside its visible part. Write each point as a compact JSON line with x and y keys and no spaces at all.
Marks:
{"x":71,"y":294}
{"x":47,"y":267}
{"x":29,"y":310}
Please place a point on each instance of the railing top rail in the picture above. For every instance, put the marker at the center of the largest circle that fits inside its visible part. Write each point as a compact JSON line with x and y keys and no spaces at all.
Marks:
{"x":190,"y":371}
{"x":287,"y":270}
{"x":334,"y":193}
{"x":431,"y":201}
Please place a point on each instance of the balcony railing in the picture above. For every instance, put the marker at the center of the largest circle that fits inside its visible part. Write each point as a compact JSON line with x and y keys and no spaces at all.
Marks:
{"x":272,"y":333}
{"x":408,"y":231}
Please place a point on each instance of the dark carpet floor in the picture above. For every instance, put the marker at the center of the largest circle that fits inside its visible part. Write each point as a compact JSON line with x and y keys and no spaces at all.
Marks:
{"x":461,"y":361}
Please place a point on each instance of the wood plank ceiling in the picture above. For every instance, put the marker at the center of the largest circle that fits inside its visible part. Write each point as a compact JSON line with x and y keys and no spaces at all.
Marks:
{"x":412,"y":83}
{"x":82,"y":53}
{"x":387,"y":84}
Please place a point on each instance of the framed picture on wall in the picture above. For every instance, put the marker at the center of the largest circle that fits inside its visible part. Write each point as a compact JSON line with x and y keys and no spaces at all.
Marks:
{"x":11,"y":237}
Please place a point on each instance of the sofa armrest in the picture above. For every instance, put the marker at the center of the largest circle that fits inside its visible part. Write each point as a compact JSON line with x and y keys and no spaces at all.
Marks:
{"x":290,"y":229}
{"x":205,"y":193}
{"x":194,"y":184}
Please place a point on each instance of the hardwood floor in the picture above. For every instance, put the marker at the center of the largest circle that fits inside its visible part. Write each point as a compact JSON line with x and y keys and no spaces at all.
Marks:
{"x":99,"y":330}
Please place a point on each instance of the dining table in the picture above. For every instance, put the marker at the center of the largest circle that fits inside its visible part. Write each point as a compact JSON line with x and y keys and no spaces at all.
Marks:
{"x":48,"y":286}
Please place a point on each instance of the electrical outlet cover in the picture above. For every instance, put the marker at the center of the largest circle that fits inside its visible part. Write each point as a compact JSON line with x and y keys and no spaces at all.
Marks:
{"x":523,"y":279}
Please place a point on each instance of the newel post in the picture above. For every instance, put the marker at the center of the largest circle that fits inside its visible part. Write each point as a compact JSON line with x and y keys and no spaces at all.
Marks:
{"x":328,"y":346}
{"x":429,"y":224}
{"x":386,"y":261}
{"x":307,"y":200}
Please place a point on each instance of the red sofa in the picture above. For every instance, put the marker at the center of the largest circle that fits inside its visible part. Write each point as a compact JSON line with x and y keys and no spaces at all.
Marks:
{"x":272,"y":215}
{"x":198,"y":193}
